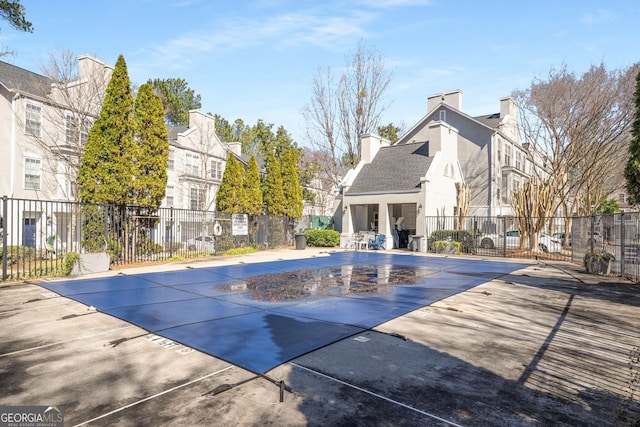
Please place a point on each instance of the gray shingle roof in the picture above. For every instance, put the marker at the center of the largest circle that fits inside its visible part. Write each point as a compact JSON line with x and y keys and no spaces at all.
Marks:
{"x":21,"y":80}
{"x":491,"y":120}
{"x":173,"y":131}
{"x":397,"y":168}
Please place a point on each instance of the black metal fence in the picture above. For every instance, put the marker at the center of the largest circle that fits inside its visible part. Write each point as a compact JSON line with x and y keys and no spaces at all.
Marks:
{"x":37,"y":235}
{"x":614,"y":237}
{"x":500,"y":236}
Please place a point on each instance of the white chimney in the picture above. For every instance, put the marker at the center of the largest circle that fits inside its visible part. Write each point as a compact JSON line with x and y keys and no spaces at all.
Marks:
{"x":235,"y":147}
{"x":370,"y":144}
{"x":509,"y":118}
{"x":452,"y":99}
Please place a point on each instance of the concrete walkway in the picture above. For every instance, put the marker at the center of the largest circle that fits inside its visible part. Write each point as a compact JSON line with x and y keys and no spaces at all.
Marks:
{"x":546,"y":345}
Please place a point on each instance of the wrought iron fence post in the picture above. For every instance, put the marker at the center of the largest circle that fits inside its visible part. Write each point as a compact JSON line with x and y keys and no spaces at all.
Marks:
{"x":171,"y":232}
{"x":622,"y":238}
{"x":5,"y":202}
{"x":591,"y":237}
{"x":504,"y":239}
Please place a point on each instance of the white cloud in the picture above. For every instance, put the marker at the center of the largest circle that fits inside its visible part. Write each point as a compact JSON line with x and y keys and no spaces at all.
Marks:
{"x":600,"y":15}
{"x":278,"y":31}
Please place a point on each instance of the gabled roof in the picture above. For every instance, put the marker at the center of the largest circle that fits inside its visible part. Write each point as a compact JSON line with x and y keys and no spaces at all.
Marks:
{"x":20,"y":80}
{"x":244,"y":158}
{"x":173,"y":131}
{"x":394,"y":169}
{"x":491,"y":120}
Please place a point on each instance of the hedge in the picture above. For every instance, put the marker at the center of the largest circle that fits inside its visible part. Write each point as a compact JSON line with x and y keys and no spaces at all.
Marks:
{"x":323,"y":238}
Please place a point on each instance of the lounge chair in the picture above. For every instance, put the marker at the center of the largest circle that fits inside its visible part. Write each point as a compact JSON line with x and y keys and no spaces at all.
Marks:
{"x":378,"y":242}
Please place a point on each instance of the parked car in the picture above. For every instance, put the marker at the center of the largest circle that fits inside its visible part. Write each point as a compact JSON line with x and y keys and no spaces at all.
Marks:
{"x":560,"y":236}
{"x":202,"y":244}
{"x":545,"y":242}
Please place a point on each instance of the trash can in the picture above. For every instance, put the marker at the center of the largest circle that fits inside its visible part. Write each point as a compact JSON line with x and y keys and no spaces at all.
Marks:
{"x":301,"y":241}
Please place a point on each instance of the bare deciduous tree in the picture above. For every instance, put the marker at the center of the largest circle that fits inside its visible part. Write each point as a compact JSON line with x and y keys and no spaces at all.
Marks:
{"x":343,"y":108}
{"x":577,"y":130}
{"x":75,"y":98}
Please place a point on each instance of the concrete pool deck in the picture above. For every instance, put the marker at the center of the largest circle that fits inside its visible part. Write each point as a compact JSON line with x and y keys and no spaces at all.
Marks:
{"x":545,"y":345}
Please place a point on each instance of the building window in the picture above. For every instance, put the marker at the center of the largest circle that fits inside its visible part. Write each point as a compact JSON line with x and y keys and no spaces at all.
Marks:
{"x":499,"y":151}
{"x":32,"y":172}
{"x":507,"y":155}
{"x":87,"y":124}
{"x":33,"y":119}
{"x":448,"y":170}
{"x":197,"y":198}
{"x":516,"y":184}
{"x":443,"y":115}
{"x":170,"y":162}
{"x":192,"y":164}
{"x":71,"y":128}
{"x":169,"y":196}
{"x":216,"y":169}
{"x":505,"y":189}
{"x":518,"y":160}
{"x":622,"y":197}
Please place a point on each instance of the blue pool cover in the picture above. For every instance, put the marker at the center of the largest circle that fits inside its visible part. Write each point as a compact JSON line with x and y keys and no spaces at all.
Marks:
{"x":261,"y":315}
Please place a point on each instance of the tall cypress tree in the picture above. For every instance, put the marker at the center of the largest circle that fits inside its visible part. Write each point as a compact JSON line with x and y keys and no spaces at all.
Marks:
{"x":252,"y":187}
{"x":106,"y":173}
{"x":632,"y":170}
{"x":153,"y":149}
{"x":290,"y":183}
{"x":231,"y":197}
{"x":273,"y":194}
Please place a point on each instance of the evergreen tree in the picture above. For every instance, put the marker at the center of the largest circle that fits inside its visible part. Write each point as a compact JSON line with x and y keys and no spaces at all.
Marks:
{"x":106,"y":173}
{"x":282,"y":141}
{"x":224,"y":130}
{"x":273,"y":194}
{"x":177,"y":99}
{"x":390,"y":132}
{"x":632,"y":170}
{"x":290,"y":184}
{"x":252,"y":188}
{"x":153,"y":149}
{"x":231,"y":197}
{"x":15,"y":14}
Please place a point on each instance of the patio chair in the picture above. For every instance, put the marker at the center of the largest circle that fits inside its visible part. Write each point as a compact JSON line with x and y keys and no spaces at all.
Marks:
{"x":50,"y":247}
{"x":357,"y":241}
{"x":378,"y":242}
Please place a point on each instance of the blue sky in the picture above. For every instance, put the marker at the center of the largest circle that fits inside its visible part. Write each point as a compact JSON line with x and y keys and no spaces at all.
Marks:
{"x":256,"y":59}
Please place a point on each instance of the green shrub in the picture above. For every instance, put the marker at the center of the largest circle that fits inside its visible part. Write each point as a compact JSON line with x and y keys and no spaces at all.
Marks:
{"x":466,"y":238}
{"x":148,"y":246}
{"x":446,"y":247}
{"x":114,"y":248}
{"x":16,"y":253}
{"x":241,"y":251}
{"x":323,"y":238}
{"x":69,"y":261}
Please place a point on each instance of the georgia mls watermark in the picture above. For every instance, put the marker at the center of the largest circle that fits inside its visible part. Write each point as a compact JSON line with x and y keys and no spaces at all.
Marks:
{"x":31,"y":416}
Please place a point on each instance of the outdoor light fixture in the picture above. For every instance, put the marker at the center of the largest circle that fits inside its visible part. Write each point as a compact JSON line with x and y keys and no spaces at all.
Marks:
{"x":346,"y":207}
{"x":419,"y":207}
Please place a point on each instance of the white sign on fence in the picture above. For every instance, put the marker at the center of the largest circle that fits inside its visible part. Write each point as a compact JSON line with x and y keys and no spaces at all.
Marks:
{"x":239,"y":224}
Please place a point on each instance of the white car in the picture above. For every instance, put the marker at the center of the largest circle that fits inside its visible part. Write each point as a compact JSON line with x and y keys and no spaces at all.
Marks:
{"x":203,"y":244}
{"x":546,"y":243}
